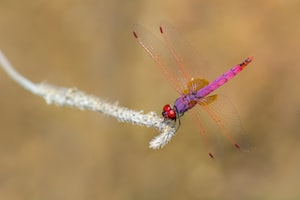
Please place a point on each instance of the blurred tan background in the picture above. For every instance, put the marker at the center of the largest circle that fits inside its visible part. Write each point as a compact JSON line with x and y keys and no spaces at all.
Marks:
{"x":49,"y":152}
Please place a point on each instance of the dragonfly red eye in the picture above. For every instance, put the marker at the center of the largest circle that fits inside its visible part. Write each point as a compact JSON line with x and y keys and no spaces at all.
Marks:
{"x":169,"y":112}
{"x":167,"y":108}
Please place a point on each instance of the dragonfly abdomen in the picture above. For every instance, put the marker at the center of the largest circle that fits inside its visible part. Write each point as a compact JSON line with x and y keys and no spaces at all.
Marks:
{"x":221,"y":80}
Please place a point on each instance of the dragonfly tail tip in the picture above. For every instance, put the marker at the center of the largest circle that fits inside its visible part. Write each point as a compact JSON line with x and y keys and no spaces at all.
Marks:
{"x":250,"y":58}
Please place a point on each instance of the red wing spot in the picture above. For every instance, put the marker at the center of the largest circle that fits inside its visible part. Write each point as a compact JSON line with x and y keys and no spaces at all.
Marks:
{"x":237,"y":146}
{"x":135,"y":35}
{"x":161,"y":30}
{"x":211,"y":155}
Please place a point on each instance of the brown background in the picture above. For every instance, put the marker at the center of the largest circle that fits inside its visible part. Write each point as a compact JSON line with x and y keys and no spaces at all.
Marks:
{"x":49,"y":152}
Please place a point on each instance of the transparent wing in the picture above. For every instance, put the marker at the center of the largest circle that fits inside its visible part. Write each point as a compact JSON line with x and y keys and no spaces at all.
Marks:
{"x":175,"y":57}
{"x":189,"y":62}
{"x":160,"y":54}
{"x":223,"y":112}
{"x":210,"y":137}
{"x":218,"y":115}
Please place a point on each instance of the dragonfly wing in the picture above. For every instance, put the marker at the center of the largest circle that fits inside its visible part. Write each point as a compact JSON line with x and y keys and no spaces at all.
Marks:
{"x":224,"y":115}
{"x":213,"y":143}
{"x":160,"y":54}
{"x":187,"y":58}
{"x":215,"y":115}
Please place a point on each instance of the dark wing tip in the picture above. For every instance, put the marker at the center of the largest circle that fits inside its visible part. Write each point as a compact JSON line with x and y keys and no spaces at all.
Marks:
{"x":237,"y":146}
{"x":135,"y":35}
{"x":161,"y":30}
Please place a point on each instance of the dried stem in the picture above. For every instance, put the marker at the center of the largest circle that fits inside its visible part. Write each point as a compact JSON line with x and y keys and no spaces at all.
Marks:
{"x":72,"y":97}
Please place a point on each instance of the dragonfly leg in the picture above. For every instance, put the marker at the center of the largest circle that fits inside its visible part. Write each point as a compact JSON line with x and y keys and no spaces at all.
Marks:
{"x":178,"y":117}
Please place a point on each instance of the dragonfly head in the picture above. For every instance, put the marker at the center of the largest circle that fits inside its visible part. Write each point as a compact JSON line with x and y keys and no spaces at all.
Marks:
{"x":169,"y":112}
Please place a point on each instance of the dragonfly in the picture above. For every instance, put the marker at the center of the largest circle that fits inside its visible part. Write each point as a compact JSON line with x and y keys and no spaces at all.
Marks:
{"x":173,"y":56}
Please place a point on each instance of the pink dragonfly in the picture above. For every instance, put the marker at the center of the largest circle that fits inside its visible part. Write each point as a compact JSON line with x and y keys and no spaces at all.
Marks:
{"x":173,"y":57}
